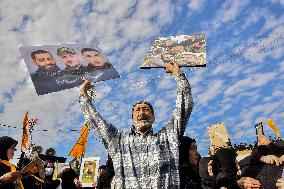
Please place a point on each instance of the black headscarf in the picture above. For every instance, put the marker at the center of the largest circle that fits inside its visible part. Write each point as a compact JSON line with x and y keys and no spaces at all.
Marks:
{"x":184,"y":149}
{"x":189,"y":178}
{"x":5,"y":143}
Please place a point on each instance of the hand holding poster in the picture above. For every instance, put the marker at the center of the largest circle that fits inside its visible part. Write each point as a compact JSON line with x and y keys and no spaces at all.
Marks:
{"x":184,"y":50}
{"x":57,"y":67}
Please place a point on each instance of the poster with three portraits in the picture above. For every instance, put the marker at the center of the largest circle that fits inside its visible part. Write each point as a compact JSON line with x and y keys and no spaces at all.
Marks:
{"x":57,"y":67}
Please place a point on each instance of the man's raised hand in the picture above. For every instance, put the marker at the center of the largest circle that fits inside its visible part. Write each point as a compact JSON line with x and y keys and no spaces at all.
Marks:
{"x":86,"y":86}
{"x":173,"y":69}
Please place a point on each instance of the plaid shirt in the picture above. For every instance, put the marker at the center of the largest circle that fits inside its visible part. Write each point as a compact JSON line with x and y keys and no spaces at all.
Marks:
{"x":151,"y":160}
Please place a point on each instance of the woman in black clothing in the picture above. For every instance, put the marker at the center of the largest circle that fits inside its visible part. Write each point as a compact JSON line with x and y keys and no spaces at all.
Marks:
{"x":188,"y":164}
{"x":9,"y":177}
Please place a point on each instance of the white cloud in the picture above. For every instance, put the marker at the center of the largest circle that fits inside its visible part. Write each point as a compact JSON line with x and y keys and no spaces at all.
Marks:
{"x":255,"y":80}
{"x":281,"y":2}
{"x":229,"y":12}
{"x":195,"y":6}
{"x":213,"y":90}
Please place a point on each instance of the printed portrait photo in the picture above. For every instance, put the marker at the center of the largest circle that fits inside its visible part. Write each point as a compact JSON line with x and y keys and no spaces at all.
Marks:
{"x":57,"y":67}
{"x":89,"y":171}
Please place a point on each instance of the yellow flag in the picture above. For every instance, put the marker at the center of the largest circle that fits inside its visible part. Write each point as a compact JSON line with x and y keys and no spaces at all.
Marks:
{"x":273,"y":127}
{"x":25,"y":133}
{"x":79,"y":148}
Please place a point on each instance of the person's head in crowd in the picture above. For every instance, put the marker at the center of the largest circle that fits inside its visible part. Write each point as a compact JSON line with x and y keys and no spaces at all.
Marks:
{"x":142,"y":117}
{"x":43,"y":59}
{"x":95,"y":57}
{"x":7,"y":148}
{"x":67,"y":176}
{"x":49,"y":169}
{"x":188,"y":152}
{"x":69,"y":57}
{"x":50,"y":152}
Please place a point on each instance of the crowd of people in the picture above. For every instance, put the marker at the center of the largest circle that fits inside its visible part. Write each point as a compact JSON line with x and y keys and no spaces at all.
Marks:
{"x":166,"y":159}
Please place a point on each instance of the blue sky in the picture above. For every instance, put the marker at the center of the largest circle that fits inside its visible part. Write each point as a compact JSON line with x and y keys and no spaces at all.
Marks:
{"x":241,"y":85}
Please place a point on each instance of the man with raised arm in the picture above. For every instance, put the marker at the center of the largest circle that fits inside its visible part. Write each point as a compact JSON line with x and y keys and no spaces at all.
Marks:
{"x":142,"y":159}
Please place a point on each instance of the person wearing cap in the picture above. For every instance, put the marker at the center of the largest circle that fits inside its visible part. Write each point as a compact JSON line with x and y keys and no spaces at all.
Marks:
{"x":9,"y":176}
{"x":45,"y":77}
{"x":140,"y":157}
{"x":74,"y":71}
{"x":98,"y":69}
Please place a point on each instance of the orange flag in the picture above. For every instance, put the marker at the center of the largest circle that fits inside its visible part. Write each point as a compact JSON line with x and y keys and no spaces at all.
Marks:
{"x":79,"y":148}
{"x":273,"y":127}
{"x":25,"y":133}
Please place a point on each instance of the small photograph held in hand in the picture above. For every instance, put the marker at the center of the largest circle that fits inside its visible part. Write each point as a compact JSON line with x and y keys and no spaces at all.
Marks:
{"x":89,"y":171}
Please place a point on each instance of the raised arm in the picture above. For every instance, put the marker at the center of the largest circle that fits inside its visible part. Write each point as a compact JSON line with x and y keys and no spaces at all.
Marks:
{"x":184,"y":102}
{"x":107,"y":132}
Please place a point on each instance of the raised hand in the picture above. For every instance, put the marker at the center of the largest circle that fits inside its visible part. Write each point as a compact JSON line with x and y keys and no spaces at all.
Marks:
{"x":10,"y":177}
{"x":271,"y":159}
{"x":248,"y":183}
{"x":86,"y":86}
{"x":172,"y":69}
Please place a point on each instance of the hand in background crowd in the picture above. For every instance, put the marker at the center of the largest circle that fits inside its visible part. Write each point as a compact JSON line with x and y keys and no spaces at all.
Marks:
{"x":248,"y":183}
{"x":77,"y":183}
{"x":213,"y":149}
{"x":282,"y":158}
{"x":280,"y":184}
{"x":271,"y":159}
{"x":11,"y":177}
{"x":263,"y":140}
{"x":210,"y":168}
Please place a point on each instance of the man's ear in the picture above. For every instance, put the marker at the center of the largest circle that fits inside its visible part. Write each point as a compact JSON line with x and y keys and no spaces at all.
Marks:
{"x":34,"y":63}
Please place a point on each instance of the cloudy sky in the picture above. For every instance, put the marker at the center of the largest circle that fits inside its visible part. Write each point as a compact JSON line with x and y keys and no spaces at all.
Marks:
{"x":240,"y":86}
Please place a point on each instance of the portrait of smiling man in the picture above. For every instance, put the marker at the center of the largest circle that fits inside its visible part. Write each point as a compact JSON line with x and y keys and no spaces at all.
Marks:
{"x":45,"y":77}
